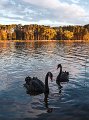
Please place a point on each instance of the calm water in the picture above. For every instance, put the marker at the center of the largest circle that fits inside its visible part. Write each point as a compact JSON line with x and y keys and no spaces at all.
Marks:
{"x":20,"y":59}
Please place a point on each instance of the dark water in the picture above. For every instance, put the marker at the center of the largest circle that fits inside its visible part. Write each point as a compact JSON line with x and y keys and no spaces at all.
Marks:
{"x":20,"y":59}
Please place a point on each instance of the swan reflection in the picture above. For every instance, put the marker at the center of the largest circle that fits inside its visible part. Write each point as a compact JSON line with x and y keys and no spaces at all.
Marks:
{"x":49,"y":110}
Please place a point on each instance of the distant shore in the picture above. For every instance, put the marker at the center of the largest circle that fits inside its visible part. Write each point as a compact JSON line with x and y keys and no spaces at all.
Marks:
{"x":41,"y":32}
{"x":70,"y":41}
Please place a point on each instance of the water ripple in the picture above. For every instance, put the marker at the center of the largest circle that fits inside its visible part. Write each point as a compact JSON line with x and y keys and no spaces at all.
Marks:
{"x":20,"y":59}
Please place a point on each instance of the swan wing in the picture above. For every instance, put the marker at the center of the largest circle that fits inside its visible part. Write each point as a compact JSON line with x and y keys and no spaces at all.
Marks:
{"x":38,"y":81}
{"x":35,"y":86}
{"x":63,"y":77}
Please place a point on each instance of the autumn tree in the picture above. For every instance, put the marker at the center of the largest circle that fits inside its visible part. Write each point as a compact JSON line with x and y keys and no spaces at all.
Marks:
{"x":59,"y":34}
{"x":49,"y":33}
{"x":13,"y":36}
{"x":4,"y":34}
{"x":67,"y":35}
{"x":86,"y":37}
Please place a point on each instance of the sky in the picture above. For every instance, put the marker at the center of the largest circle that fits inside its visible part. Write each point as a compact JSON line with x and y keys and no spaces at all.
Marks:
{"x":44,"y":12}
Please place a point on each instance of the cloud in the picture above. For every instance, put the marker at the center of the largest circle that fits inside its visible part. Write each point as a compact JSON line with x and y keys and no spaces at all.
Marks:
{"x":44,"y":3}
{"x":75,"y":1}
{"x":49,"y":22}
{"x":48,"y":12}
{"x":58,"y":7}
{"x":2,"y":3}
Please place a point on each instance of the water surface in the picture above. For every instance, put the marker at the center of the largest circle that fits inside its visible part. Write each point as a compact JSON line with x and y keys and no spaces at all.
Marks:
{"x":20,"y":59}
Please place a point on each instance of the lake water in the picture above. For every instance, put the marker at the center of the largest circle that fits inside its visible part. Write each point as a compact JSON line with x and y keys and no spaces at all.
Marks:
{"x":21,"y":59}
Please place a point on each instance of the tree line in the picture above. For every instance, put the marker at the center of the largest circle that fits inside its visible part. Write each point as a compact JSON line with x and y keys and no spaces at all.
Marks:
{"x":41,"y":32}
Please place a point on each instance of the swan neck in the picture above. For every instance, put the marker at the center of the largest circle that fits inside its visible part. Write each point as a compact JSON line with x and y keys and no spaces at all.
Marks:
{"x":46,"y":84}
{"x":60,"y":70}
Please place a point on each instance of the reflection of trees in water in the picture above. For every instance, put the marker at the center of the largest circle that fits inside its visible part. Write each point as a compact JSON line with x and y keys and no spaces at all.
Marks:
{"x":5,"y":45}
{"x":19,"y":50}
{"x":6,"y":48}
{"x":35,"y":47}
{"x":20,"y":45}
{"x":43,"y":45}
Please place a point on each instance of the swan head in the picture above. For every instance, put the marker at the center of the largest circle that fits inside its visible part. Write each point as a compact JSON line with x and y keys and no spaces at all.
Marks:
{"x":59,"y":66}
{"x":50,"y":75}
{"x":28,"y":79}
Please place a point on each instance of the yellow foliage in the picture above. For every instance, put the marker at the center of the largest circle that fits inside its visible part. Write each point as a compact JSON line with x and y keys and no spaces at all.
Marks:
{"x":49,"y":33}
{"x":4,"y":35}
{"x":68,"y":35}
{"x":86,"y":37}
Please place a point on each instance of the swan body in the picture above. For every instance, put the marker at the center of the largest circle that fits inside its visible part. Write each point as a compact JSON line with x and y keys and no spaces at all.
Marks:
{"x":34,"y":85}
{"x":62,"y":76}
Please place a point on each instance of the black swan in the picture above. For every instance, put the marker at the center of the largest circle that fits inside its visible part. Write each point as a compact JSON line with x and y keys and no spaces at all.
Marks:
{"x":62,"y":76}
{"x":36,"y":86}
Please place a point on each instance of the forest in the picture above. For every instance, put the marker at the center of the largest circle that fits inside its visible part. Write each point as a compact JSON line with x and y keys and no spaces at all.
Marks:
{"x":41,"y":32}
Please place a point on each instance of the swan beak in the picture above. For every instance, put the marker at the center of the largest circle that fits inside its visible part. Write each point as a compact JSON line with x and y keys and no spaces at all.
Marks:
{"x":57,"y":67}
{"x":51,"y":79}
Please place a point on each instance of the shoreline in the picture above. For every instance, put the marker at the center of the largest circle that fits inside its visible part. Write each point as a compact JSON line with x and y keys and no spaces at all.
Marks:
{"x":69,"y":41}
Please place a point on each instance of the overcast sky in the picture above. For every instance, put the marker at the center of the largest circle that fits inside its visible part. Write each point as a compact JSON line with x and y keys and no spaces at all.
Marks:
{"x":47,"y":12}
